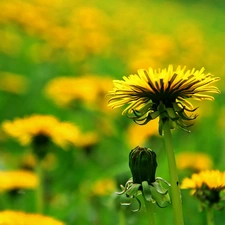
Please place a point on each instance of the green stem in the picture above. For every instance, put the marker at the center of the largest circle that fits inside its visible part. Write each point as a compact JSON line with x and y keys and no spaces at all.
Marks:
{"x":39,"y":190}
{"x":210,"y":216}
{"x":175,"y":189}
{"x":122,"y":218}
{"x":149,"y":208}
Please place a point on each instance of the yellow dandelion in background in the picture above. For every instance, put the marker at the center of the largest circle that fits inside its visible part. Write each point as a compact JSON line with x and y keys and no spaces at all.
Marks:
{"x":88,"y":139}
{"x":162,"y":93}
{"x":28,"y":128}
{"x":103,"y":187}
{"x":213,"y":179}
{"x":65,"y":90}
{"x":207,"y":186}
{"x":194,"y":160}
{"x":9,"y":217}
{"x":138,"y":135}
{"x":13,"y":83}
{"x":17,"y":179}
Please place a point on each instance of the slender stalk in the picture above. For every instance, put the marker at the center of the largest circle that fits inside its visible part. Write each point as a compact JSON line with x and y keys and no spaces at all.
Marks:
{"x":210,"y":216}
{"x":122,"y":218}
{"x":149,"y":208}
{"x":175,"y":189}
{"x":39,"y":190}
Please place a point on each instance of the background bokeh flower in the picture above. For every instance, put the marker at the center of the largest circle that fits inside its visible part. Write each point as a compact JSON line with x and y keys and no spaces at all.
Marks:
{"x":18,"y":179}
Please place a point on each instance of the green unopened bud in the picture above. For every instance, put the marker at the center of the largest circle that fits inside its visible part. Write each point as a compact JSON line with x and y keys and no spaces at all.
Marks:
{"x":142,"y":163}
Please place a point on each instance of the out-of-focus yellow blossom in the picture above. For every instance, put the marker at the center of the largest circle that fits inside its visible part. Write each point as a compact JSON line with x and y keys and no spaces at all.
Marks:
{"x":103,"y":187}
{"x":17,"y":179}
{"x":138,"y":135}
{"x":27,"y":128}
{"x":10,"y":42}
{"x":194,"y":160}
{"x":29,"y":161}
{"x":213,"y":179}
{"x":13,"y":83}
{"x":90,"y":89}
{"x":206,"y":186}
{"x":9,"y":217}
{"x":88,"y":139}
{"x":74,"y":31}
{"x":156,"y":49}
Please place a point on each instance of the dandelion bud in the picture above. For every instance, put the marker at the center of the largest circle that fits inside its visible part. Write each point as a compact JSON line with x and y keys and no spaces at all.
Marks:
{"x":142,"y":163}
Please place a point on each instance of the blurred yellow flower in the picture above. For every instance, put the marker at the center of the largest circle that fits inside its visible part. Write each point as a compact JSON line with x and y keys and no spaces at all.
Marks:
{"x":13,"y":83}
{"x":206,"y":186}
{"x":17,"y":179}
{"x":27,"y":128}
{"x":194,"y":160}
{"x":9,"y":217}
{"x":90,"y":89}
{"x":29,"y":161}
{"x":88,"y":139}
{"x":162,"y":93}
{"x":213,"y":179}
{"x":103,"y":187}
{"x":138,"y":135}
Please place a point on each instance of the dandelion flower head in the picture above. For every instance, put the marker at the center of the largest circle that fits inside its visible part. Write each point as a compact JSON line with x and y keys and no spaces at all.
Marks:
{"x":17,"y":179}
{"x":27,"y":128}
{"x":213,"y":179}
{"x":9,"y":217}
{"x":194,"y":160}
{"x":162,"y":93}
{"x":207,"y":187}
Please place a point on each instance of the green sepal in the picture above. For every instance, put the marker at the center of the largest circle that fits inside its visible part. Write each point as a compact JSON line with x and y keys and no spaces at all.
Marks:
{"x":172,"y":114}
{"x":162,"y":200}
{"x":146,"y":191}
{"x":133,"y":190}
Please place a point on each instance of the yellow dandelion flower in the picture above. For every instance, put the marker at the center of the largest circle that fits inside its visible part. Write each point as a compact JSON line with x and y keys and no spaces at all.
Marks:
{"x":162,"y":93}
{"x":138,"y":135}
{"x":17,"y":179}
{"x":103,"y":187}
{"x":213,"y":179}
{"x":77,"y":89}
{"x":28,"y":128}
{"x":9,"y":217}
{"x":194,"y":160}
{"x":13,"y":83}
{"x":207,"y":186}
{"x":88,"y":139}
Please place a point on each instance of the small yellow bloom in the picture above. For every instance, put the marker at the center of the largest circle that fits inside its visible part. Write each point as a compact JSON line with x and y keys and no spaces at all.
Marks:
{"x":13,"y":83}
{"x":27,"y":128}
{"x":213,"y":179}
{"x":9,"y":217}
{"x":206,"y":186}
{"x":138,"y":135}
{"x":90,"y":89}
{"x":194,"y":160}
{"x":103,"y":187}
{"x":162,"y":93}
{"x":17,"y":179}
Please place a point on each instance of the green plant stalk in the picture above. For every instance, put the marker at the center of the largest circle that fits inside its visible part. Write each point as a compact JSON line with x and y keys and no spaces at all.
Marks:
{"x":210,"y":216}
{"x":122,"y":218}
{"x":150,"y":212}
{"x":39,"y":190}
{"x":175,"y":189}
